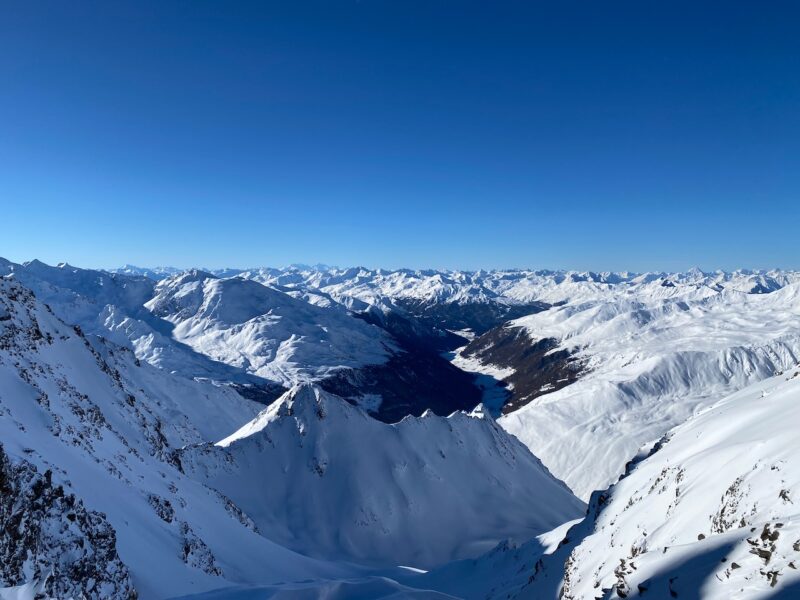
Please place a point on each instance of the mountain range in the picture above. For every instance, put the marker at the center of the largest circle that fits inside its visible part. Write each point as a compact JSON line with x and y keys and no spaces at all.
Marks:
{"x":324,"y":432}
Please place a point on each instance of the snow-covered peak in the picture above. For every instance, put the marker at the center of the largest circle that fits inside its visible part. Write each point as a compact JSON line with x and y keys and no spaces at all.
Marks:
{"x":308,"y":402}
{"x":415,"y":492}
{"x":203,"y":295}
{"x":264,"y":331}
{"x":80,"y":416}
{"x":302,"y":402}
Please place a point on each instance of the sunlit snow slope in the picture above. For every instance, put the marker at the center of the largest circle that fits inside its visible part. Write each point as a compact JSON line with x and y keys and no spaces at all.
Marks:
{"x":264,"y":331}
{"x":649,"y":363}
{"x":712,"y":513}
{"x":708,"y":512}
{"x":324,"y":478}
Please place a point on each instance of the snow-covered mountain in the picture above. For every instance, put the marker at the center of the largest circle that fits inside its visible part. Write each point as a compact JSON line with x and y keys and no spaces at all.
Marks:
{"x":266,"y":332}
{"x":106,"y":468}
{"x":259,"y":339}
{"x":155,"y":273}
{"x":478,"y":300}
{"x":89,"y":420}
{"x":138,"y":454}
{"x":606,"y":361}
{"x":515,"y":286}
{"x":711,"y":513}
{"x":613,"y":361}
{"x":417,"y":492}
{"x":623,"y":372}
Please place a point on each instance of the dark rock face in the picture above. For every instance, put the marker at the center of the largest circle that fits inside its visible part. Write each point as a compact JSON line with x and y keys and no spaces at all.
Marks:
{"x":538,"y":369}
{"x":48,"y":535}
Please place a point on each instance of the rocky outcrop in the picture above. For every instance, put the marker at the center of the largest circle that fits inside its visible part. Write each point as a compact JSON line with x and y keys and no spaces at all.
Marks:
{"x":47,"y":534}
{"x":539,"y":366}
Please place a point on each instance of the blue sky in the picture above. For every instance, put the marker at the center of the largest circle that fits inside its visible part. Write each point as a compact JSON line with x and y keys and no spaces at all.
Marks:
{"x":589,"y":135}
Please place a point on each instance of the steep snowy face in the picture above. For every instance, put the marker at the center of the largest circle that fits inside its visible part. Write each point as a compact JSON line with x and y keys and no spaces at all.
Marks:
{"x":320,"y":476}
{"x":645,"y":366}
{"x":712,"y":512}
{"x":266,"y":332}
{"x":90,"y":451}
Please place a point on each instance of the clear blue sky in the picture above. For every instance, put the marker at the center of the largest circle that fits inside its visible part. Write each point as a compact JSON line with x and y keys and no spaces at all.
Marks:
{"x":591,"y":135}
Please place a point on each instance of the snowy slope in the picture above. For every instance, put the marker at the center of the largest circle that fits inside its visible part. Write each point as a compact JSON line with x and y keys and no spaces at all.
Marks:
{"x":126,"y":453}
{"x":112,"y":305}
{"x":202,"y":326}
{"x":632,"y":340}
{"x":264,"y":331}
{"x":447,"y":301}
{"x":79,"y":295}
{"x":648,"y":364}
{"x":107,"y":429}
{"x":709,"y":512}
{"x":712,"y":513}
{"x":419,"y":492}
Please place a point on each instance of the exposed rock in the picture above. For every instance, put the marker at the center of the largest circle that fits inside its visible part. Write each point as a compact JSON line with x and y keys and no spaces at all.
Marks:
{"x":539,"y":367}
{"x":47,"y":534}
